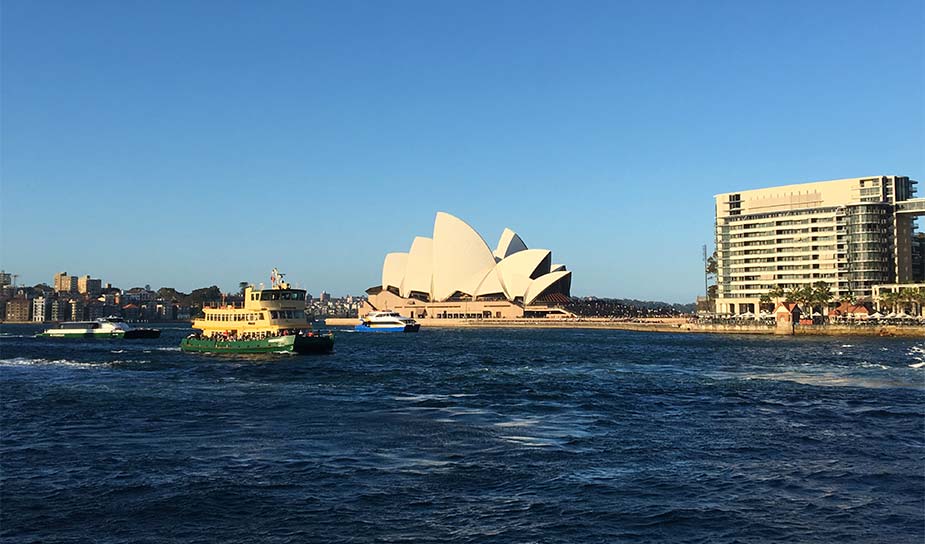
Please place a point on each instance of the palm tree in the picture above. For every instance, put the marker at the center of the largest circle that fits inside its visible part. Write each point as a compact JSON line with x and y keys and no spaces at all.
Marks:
{"x":802,"y":296}
{"x":889,"y":299}
{"x":822,"y":295}
{"x":918,"y":297}
{"x":765,"y":300}
{"x":776,"y":293}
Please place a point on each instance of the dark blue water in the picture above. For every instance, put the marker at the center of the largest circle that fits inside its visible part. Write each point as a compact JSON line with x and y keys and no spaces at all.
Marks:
{"x":466,"y":436}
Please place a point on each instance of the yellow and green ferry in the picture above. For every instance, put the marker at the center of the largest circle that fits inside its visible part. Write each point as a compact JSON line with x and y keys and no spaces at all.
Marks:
{"x":269,"y":321}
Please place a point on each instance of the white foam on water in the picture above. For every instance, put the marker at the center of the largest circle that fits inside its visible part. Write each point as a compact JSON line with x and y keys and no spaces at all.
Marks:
{"x":531,"y":441}
{"x":918,"y":354}
{"x":517,"y":423}
{"x":833,"y":380}
{"x":26,"y":361}
{"x":175,"y":348}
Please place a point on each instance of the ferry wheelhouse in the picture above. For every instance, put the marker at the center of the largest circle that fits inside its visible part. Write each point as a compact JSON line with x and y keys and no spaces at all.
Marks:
{"x":269,"y":320}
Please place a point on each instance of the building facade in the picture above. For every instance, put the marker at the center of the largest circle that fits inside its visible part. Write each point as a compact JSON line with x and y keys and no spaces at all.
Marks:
{"x":852,"y":233}
{"x":19,"y":309}
{"x":64,"y":283}
{"x":89,"y":286}
{"x":40,"y":309}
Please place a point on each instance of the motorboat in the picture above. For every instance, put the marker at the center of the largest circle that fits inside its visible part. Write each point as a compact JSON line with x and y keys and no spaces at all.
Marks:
{"x":386,"y":321}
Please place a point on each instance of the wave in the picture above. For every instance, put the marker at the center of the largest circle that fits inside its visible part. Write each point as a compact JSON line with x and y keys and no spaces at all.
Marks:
{"x":27,"y":361}
{"x":834,"y":380}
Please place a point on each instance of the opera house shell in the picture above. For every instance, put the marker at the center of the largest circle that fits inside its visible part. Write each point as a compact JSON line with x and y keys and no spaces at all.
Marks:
{"x":456,"y":266}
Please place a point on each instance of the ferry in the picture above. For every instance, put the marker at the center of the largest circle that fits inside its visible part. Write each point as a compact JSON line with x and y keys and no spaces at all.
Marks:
{"x":110,"y":327}
{"x":269,"y":321}
{"x":387,"y":322}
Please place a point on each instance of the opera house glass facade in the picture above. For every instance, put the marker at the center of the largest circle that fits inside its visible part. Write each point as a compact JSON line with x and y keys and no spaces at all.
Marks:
{"x":455,"y":275}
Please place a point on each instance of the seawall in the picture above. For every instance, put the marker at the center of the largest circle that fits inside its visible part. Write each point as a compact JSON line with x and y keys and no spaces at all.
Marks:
{"x":667,"y":325}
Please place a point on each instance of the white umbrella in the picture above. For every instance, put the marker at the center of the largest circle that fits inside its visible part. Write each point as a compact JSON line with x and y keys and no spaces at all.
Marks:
{"x":876,"y":315}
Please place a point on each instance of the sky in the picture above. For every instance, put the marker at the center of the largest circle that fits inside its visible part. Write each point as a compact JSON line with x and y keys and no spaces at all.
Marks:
{"x":187,"y":144}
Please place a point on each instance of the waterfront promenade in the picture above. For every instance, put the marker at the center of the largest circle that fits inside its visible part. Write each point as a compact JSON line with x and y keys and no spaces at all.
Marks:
{"x":676,"y":325}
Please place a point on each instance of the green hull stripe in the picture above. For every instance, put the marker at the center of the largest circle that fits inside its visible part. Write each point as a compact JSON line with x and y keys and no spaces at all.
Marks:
{"x":300,"y":344}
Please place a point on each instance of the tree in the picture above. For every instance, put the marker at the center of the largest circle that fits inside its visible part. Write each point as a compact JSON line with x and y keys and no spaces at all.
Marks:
{"x":765,"y":300}
{"x":822,"y":295}
{"x":776,"y":293}
{"x":803,"y":296}
{"x":711,"y":264}
{"x":710,"y":269}
{"x":918,"y":297}
{"x":242,"y":285}
{"x":889,"y":299}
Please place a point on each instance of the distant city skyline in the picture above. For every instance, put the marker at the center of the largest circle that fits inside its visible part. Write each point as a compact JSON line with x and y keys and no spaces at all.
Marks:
{"x":189,"y":145}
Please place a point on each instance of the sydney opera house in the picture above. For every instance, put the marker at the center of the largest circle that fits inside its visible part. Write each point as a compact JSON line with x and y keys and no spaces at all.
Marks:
{"x":455,"y":275}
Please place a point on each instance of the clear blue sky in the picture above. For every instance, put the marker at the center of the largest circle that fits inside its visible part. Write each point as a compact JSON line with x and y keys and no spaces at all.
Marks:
{"x":192,"y":143}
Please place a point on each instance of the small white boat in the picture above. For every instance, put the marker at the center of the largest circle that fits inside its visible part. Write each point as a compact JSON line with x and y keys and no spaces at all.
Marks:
{"x":387,"y":322}
{"x":112,"y":327}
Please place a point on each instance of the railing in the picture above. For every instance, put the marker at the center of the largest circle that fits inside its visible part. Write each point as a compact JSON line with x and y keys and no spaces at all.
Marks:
{"x":914,"y":205}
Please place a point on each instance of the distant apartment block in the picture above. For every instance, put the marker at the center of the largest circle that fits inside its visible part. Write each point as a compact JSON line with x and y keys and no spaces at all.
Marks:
{"x":89,"y":287}
{"x":64,"y":283}
{"x":41,"y":307}
{"x":852,"y":233}
{"x":6,"y":279}
{"x":19,"y":309}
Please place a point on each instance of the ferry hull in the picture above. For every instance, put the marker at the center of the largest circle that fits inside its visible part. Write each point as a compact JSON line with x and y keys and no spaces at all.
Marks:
{"x":408,"y":328}
{"x":96,"y":335}
{"x":297,"y":344}
{"x":137,"y":334}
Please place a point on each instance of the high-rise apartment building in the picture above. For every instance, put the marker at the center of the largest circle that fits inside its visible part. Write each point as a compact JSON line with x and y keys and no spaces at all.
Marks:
{"x":65,"y":283}
{"x":88,"y":286}
{"x":5,"y":278}
{"x":851,"y":233}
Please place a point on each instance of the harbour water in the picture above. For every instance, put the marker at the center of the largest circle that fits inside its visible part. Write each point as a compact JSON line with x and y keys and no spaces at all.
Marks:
{"x":465,"y":436}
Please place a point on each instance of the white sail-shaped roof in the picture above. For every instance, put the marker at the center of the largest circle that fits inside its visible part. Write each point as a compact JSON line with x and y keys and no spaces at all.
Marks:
{"x":557,"y":268}
{"x":420,"y":270}
{"x":541,"y":284}
{"x":521,"y":268}
{"x":508,"y":244}
{"x":491,"y":285}
{"x":393,"y":270}
{"x":461,"y":258}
